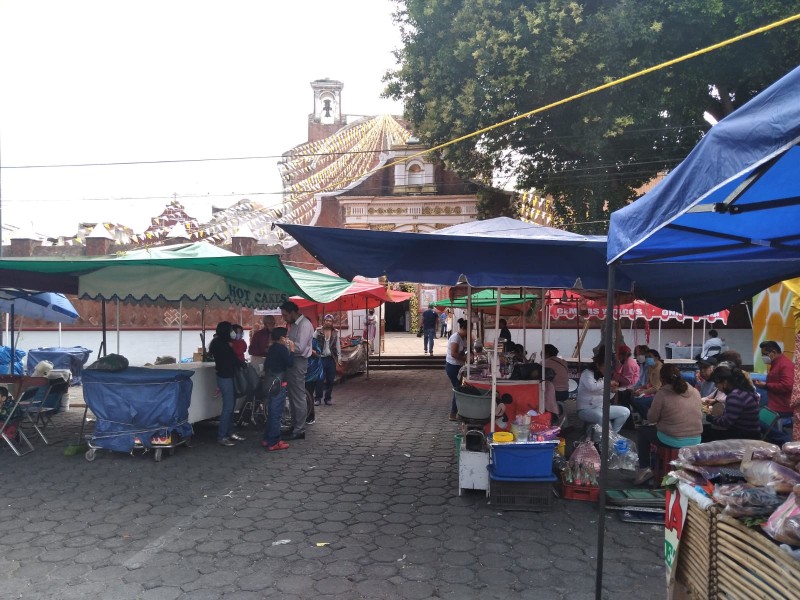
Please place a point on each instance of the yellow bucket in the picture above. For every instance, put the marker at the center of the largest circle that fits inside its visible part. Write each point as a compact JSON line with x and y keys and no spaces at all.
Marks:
{"x":502,"y":436}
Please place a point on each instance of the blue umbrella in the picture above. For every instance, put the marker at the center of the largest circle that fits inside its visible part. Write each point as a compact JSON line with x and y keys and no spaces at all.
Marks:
{"x":47,"y":306}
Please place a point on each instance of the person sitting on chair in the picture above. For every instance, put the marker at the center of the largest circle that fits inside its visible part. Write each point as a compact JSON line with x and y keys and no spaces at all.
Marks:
{"x":590,"y":397}
{"x":643,"y":395}
{"x":675,"y":419}
{"x":712,"y":346}
{"x":739,"y":419}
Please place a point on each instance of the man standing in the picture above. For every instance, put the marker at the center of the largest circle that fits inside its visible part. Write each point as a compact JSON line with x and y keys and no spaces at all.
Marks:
{"x":300,"y":334}
{"x":331,"y":353}
{"x":430,"y":319}
{"x":443,"y":322}
{"x":780,"y":378}
{"x":261,"y":340}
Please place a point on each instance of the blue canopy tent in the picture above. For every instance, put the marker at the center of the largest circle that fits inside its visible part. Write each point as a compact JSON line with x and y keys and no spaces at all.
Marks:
{"x":724,"y":224}
{"x":499,"y":252}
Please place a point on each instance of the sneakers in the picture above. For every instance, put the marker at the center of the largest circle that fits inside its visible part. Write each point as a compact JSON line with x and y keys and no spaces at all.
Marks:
{"x":328,"y":402}
{"x":237,"y":437}
{"x":226,"y":442}
{"x":431,"y":352}
{"x":453,"y":416}
{"x":311,"y":421}
{"x":280,"y":445}
{"x":642,"y":476}
{"x":318,"y":402}
{"x":294,"y":436}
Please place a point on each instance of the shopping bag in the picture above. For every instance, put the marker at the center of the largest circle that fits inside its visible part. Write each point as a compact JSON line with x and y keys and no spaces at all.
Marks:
{"x":586,"y":453}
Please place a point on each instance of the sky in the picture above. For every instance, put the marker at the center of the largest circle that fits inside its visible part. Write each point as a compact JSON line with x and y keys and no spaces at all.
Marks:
{"x":122,"y":81}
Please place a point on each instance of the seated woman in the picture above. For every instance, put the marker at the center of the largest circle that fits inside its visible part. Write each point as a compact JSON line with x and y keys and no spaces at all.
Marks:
{"x":739,"y":418}
{"x":643,"y":394}
{"x":590,"y":397}
{"x":676,"y":419}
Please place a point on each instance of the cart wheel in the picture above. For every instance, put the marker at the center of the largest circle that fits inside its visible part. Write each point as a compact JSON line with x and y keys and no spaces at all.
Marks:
{"x":157,"y":455}
{"x":90,"y":454}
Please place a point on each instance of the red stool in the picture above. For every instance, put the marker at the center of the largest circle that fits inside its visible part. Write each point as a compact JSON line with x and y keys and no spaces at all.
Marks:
{"x":663,"y":456}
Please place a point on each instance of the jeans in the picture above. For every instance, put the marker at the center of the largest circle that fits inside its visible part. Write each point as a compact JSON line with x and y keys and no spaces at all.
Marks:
{"x":276,"y":402}
{"x":443,"y":330}
{"x":617,"y":415}
{"x":296,"y":380}
{"x":452,"y":373}
{"x":328,"y":377}
{"x":225,"y":428}
{"x":642,"y":404}
{"x":428,"y":335}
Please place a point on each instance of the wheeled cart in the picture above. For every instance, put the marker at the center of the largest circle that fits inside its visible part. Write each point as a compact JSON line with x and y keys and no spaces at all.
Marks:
{"x":138,"y":409}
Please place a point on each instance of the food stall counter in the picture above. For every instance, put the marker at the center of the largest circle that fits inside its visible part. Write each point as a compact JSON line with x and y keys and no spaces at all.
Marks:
{"x":524,"y":392}
{"x":205,"y":403}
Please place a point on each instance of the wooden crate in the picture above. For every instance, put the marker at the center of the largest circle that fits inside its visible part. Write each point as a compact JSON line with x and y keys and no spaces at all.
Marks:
{"x":697,"y":553}
{"x":750,"y":565}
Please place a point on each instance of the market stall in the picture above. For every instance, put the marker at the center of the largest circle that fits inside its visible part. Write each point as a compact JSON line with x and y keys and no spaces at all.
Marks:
{"x":721,"y":227}
{"x":205,"y":402}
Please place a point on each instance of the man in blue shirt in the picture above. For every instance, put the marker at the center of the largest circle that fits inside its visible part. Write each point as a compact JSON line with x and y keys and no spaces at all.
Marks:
{"x":430,"y":319}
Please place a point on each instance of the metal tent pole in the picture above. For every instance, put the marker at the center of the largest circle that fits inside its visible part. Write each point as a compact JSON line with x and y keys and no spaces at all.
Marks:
{"x":607,"y":370}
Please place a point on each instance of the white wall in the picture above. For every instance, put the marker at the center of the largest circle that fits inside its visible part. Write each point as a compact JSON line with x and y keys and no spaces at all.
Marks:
{"x":565,"y":340}
{"x":139,"y":347}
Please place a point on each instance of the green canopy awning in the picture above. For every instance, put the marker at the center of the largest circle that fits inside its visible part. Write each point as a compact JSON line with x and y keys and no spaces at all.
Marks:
{"x":190,"y":272}
{"x":487,"y":299}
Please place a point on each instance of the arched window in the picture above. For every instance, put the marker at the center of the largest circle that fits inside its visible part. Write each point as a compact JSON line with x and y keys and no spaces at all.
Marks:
{"x":415,"y":174}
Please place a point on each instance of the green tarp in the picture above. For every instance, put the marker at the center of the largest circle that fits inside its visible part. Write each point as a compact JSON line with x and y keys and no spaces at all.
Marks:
{"x":188,"y":272}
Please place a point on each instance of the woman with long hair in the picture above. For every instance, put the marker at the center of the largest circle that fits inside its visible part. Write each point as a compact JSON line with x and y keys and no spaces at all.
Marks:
{"x":739,"y":419}
{"x":226,"y":362}
{"x":675,"y":419}
{"x":590,"y":396}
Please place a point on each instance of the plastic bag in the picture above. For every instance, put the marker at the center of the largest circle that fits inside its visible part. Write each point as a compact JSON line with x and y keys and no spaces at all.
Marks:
{"x":770,"y":475}
{"x":783,"y":524}
{"x":585,"y":452}
{"x":723,"y":452}
{"x":792,"y":449}
{"x":745,"y":500}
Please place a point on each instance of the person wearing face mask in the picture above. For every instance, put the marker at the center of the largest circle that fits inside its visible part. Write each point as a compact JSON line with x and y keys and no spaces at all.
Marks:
{"x":739,"y":418}
{"x":237,"y":341}
{"x":639,"y":352}
{"x":780,"y":378}
{"x":643,"y":395}
{"x":226,"y":362}
{"x":626,"y":374}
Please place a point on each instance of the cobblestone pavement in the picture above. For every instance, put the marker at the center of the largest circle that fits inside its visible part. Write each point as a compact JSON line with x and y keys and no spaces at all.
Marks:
{"x":365,"y":507}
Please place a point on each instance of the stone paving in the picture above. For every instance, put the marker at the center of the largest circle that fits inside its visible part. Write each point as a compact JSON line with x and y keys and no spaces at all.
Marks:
{"x":365,"y":507}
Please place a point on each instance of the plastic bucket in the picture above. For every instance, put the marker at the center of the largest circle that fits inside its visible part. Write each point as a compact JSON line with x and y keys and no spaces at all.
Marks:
{"x":473,"y":407}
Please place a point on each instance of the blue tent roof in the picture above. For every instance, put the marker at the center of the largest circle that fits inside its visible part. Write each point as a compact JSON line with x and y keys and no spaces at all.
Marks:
{"x":725,"y":224}
{"x":493,"y":253}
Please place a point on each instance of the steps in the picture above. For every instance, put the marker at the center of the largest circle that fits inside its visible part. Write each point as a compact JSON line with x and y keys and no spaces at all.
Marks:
{"x":405,"y":362}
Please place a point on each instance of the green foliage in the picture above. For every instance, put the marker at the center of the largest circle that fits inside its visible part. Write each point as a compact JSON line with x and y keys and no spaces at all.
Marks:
{"x":468,"y":64}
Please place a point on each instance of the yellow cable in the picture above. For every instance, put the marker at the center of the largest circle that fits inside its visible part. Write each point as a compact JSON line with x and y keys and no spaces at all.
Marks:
{"x":599,"y":88}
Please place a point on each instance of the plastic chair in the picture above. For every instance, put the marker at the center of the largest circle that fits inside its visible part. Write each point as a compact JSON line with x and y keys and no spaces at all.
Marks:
{"x":767,"y":419}
{"x":32,"y":401}
{"x":10,"y":429}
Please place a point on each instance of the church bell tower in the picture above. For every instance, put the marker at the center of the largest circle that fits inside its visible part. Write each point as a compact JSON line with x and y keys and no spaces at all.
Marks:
{"x":326,"y":118}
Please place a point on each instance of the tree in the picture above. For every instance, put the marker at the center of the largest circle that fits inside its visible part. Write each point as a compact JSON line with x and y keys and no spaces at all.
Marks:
{"x":465,"y":65}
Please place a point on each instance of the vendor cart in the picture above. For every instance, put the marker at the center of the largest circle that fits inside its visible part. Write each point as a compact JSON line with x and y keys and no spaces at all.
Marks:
{"x":138,"y":408}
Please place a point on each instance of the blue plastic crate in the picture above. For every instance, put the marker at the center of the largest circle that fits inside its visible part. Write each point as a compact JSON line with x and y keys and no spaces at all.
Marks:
{"x":526,"y":460}
{"x":547,"y":478}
